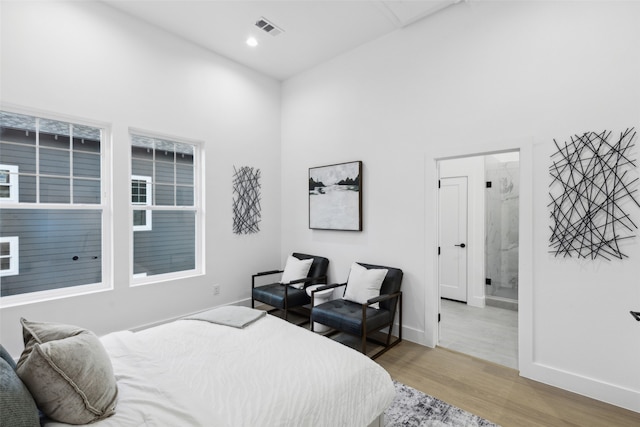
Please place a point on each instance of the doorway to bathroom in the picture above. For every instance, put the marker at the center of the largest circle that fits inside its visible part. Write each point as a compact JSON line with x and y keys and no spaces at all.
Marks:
{"x":478,"y":245}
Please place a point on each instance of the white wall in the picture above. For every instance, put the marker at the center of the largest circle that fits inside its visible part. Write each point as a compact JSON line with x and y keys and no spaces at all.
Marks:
{"x":477,"y":77}
{"x":86,"y":60}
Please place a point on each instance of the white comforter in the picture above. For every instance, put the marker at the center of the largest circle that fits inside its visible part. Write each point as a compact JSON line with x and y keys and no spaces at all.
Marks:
{"x":271,"y":373}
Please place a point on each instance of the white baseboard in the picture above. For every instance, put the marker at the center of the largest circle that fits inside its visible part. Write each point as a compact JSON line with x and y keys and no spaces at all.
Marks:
{"x":244,"y":302}
{"x":590,"y":387}
{"x":476,"y":301}
{"x":412,"y":334}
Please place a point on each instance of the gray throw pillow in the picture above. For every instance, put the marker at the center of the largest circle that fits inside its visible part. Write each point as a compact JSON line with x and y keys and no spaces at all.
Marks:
{"x":68,"y":372}
{"x":17,"y":408}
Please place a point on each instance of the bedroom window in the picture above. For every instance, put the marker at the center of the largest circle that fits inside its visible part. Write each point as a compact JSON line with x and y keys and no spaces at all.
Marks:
{"x":57,"y":213}
{"x":141,"y":195}
{"x":9,"y":256}
{"x":165,"y":184}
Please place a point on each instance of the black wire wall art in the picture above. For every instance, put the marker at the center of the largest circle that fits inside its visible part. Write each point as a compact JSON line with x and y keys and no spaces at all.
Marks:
{"x":592,"y":189}
{"x":246,"y":200}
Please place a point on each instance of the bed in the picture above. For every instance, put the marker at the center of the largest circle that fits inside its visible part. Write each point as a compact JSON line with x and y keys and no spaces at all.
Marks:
{"x":269,"y":373}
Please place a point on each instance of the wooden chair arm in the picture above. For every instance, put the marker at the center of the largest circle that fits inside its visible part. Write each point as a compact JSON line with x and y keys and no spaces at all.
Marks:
{"x":293,"y":282}
{"x":382,"y":298}
{"x":325,"y":287}
{"x":305,"y":279}
{"x":266,"y":273}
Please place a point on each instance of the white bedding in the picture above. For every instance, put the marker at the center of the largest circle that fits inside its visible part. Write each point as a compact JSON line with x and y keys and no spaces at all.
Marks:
{"x":271,"y":373}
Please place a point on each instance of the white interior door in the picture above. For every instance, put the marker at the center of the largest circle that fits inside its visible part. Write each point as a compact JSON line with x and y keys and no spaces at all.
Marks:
{"x":452,"y":238}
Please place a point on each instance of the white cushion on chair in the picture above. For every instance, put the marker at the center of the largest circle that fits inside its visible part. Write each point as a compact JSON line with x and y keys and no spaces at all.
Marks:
{"x":296,"y":269}
{"x":364,"y":284}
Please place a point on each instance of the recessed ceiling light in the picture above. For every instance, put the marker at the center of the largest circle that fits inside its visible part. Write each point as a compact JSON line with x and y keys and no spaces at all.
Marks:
{"x":251,"y":41}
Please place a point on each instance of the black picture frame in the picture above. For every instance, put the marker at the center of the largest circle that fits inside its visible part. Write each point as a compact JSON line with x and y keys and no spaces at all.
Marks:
{"x":335,"y":197}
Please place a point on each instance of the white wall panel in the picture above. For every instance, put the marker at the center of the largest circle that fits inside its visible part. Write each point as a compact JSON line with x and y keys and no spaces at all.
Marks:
{"x":87,"y":60}
{"x":477,"y":77}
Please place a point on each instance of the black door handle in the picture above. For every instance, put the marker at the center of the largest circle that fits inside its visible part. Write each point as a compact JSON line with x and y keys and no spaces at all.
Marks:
{"x":636,"y":315}
{"x":462,"y":245}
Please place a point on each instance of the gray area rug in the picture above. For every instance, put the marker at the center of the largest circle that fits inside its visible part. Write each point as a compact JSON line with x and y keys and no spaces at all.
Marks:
{"x":413,"y":408}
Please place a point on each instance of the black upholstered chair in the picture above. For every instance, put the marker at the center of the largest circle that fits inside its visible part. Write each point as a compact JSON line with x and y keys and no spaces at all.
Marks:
{"x":284,"y":296}
{"x":361,"y":319}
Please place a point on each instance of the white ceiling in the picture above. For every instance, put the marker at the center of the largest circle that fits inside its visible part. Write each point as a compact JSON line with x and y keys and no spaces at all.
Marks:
{"x":314,"y":30}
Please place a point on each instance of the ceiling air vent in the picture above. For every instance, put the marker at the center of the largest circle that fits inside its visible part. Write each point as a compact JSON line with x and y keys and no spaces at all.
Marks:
{"x":268,"y":27}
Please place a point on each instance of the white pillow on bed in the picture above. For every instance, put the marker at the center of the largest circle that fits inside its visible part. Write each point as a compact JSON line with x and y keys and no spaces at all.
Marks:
{"x":296,"y":269}
{"x":364,"y":284}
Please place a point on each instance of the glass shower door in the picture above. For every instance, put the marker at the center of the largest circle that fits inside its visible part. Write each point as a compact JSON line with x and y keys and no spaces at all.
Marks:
{"x":501,"y":229}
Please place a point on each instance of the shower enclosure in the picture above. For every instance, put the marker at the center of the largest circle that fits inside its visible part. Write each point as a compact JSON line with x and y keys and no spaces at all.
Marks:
{"x":501,"y":229}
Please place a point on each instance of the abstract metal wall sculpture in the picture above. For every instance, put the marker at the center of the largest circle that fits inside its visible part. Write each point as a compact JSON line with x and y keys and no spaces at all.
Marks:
{"x":591,"y":191}
{"x":246,"y":200}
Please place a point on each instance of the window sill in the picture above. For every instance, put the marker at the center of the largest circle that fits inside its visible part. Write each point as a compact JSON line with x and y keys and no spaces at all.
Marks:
{"x":51,"y":295}
{"x":139,"y":280}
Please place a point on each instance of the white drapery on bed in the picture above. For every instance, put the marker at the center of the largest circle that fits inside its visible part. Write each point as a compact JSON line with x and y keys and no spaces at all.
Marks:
{"x":271,"y":373}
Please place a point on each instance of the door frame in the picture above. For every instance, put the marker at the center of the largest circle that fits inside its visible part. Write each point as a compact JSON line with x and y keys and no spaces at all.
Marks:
{"x":525,"y":245}
{"x":472,"y":167}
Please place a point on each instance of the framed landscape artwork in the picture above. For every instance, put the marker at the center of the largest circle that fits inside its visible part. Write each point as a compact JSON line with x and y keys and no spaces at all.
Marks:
{"x":335,"y":197}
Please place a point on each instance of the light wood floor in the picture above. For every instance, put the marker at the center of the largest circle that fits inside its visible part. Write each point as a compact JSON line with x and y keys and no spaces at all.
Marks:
{"x":496,"y":392}
{"x":490,"y":333}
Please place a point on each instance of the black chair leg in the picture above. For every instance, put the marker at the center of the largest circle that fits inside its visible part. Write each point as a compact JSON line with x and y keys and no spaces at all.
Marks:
{"x":390,"y":344}
{"x":364,"y":329}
